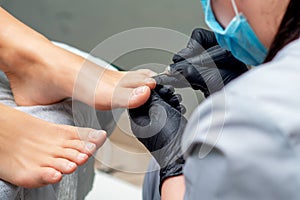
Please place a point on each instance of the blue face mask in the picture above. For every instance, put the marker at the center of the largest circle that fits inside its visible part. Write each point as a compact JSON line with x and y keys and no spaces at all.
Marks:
{"x":238,"y":37}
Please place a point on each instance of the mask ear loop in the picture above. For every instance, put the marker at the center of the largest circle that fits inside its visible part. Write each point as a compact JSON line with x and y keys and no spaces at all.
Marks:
{"x":235,"y":8}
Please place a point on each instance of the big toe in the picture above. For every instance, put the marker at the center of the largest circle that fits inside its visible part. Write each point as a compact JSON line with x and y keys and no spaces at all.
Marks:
{"x":132,"y":98}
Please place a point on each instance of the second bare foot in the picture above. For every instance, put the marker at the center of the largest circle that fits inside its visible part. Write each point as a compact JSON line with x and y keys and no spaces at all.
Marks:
{"x":35,"y":153}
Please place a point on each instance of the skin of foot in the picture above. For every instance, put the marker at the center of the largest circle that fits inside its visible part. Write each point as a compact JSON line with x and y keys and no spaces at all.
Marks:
{"x":41,"y":73}
{"x":43,"y":80}
{"x":35,"y":153}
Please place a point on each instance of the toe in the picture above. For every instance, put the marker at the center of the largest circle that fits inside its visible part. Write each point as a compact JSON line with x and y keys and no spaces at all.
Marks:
{"x":81,"y":137}
{"x":48,"y":175}
{"x":147,"y":72}
{"x":63,"y":165}
{"x":138,"y":97}
{"x":135,"y":79}
{"x":88,"y":135}
{"x":150,"y":82}
{"x":81,"y":146}
{"x":131,"y":98}
{"x":73,"y":155}
{"x":97,"y":137}
{"x":36,"y":176}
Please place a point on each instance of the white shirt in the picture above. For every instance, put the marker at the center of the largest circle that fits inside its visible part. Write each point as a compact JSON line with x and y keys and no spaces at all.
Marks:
{"x":252,"y":132}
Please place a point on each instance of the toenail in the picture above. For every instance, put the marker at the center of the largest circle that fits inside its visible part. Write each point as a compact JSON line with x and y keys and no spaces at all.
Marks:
{"x":82,"y":156}
{"x":90,"y":146}
{"x":150,"y":81}
{"x":95,"y":134}
{"x":56,"y":175}
{"x":71,"y":165}
{"x":140,"y":90}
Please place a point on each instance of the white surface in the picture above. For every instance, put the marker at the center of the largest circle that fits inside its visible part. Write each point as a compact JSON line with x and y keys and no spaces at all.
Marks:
{"x":107,"y":187}
{"x":85,"y":55}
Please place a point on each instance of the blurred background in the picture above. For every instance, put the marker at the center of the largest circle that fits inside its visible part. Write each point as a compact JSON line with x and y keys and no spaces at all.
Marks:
{"x":85,"y":24}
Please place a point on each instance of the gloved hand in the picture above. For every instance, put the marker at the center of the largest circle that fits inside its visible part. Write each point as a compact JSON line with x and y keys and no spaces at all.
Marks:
{"x":159,"y":126}
{"x":203,"y":65}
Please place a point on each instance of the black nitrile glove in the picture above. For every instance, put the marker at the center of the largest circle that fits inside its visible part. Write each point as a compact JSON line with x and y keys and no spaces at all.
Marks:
{"x":201,"y":40}
{"x":159,"y":127}
{"x":203,"y":65}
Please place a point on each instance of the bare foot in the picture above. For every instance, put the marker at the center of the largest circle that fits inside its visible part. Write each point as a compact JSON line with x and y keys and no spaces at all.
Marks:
{"x":48,"y":79}
{"x":107,"y":89}
{"x":35,"y":153}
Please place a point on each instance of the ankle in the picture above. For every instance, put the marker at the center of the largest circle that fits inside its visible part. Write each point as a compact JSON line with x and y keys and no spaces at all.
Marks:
{"x":63,"y":68}
{"x":17,"y":59}
{"x":45,"y":61}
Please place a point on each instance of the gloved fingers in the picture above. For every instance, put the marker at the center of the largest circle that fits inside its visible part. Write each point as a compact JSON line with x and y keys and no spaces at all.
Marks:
{"x":215,"y":54}
{"x":178,"y":68}
{"x":214,"y":79}
{"x":165,"y":91}
{"x":140,"y":115}
{"x":158,"y":114}
{"x":178,"y":75}
{"x":167,"y":94}
{"x":204,"y":37}
{"x":182,"y":55}
{"x":140,"y":119}
{"x":221,"y":58}
{"x":188,"y":75}
{"x":198,"y":77}
{"x":200,"y":40}
{"x":194,"y":49}
{"x":177,"y":81}
{"x":174,"y":101}
{"x":182,"y":109}
{"x":212,"y":57}
{"x":145,"y":127}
